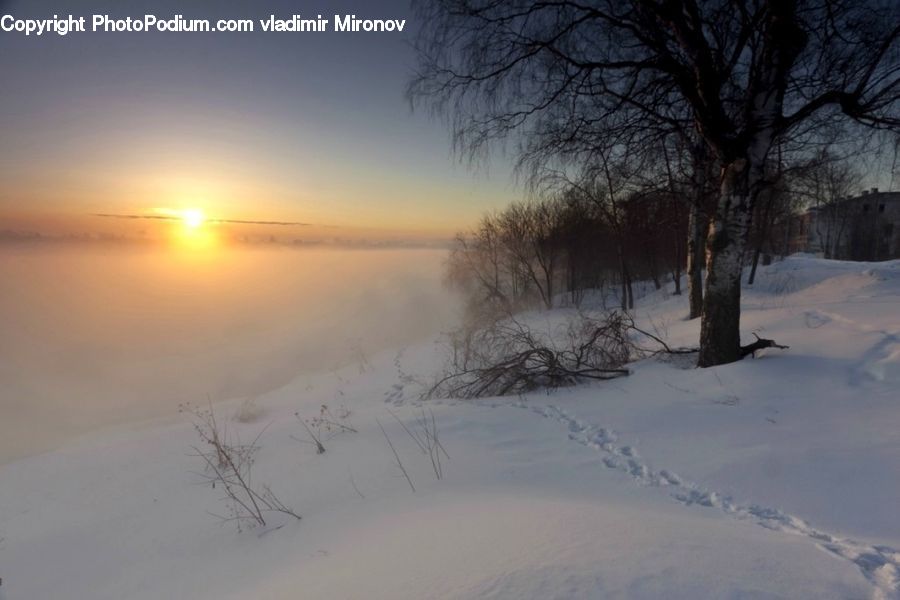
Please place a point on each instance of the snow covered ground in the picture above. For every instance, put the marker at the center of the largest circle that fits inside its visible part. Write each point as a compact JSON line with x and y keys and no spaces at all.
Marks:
{"x":768,"y":478}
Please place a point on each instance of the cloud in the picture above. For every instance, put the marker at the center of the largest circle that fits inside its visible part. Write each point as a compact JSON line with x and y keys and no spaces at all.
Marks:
{"x":179,"y":218}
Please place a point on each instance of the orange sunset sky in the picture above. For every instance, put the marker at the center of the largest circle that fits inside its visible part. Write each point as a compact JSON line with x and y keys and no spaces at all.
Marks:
{"x":298,"y":128}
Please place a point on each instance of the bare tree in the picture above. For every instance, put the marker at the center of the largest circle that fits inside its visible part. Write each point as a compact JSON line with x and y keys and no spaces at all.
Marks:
{"x":478,"y":266}
{"x":605,"y":188}
{"x":580,"y":234}
{"x":529,"y":229}
{"x":774,"y":200}
{"x":825,"y":182}
{"x":576,"y":79}
{"x":514,"y":257}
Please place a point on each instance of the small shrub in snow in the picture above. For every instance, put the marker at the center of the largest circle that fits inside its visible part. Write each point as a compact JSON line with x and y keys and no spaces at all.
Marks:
{"x":325,"y":426}
{"x":424,"y":433}
{"x":227,"y":467}
{"x":397,"y":460}
{"x":332,"y":423}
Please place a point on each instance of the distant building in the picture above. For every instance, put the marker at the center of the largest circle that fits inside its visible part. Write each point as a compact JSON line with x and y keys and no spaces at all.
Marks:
{"x":864,"y":227}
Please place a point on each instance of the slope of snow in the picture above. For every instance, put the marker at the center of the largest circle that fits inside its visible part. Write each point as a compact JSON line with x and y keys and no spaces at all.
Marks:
{"x":769,"y":478}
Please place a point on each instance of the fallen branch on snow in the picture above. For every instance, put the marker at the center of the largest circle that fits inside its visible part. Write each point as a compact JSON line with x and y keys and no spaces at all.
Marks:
{"x":759,"y":344}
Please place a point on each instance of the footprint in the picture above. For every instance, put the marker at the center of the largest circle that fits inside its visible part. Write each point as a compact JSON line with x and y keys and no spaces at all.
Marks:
{"x":879,"y":564}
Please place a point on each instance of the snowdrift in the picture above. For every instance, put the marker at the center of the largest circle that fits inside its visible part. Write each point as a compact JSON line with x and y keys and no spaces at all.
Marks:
{"x":774,"y":477}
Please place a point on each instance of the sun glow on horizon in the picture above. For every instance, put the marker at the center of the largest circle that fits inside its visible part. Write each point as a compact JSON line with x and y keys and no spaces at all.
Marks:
{"x":193,"y":217}
{"x":193,"y":233}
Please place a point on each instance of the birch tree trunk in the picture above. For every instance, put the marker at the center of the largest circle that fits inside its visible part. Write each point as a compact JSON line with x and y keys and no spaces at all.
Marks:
{"x":742,"y":172}
{"x":720,"y":335}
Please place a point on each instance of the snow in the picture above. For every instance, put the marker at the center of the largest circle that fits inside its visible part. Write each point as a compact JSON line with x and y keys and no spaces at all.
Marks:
{"x":775,"y":477}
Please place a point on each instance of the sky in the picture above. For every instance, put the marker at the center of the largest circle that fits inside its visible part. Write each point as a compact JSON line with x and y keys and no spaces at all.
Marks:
{"x":300,"y":127}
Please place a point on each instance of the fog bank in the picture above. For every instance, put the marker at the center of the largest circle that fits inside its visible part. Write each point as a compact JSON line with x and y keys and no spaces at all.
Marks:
{"x":92,"y":337}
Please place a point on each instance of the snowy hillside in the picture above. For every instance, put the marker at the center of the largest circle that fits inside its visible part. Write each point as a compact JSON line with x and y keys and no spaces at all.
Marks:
{"x":769,"y":478}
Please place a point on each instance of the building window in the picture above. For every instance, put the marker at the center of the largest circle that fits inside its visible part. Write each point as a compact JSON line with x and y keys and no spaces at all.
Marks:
{"x":865,"y":208}
{"x":881,"y":208}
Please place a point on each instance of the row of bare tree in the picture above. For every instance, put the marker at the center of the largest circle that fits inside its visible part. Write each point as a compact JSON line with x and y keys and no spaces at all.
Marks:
{"x":553,"y":251}
{"x":593,"y":235}
{"x":596,"y":92}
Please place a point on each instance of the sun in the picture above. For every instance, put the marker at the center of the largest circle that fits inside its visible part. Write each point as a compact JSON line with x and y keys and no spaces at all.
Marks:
{"x":193,"y":217}
{"x":190,"y":229}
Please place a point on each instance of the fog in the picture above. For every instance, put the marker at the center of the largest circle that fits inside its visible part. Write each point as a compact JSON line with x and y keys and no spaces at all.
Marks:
{"x":91,"y":337}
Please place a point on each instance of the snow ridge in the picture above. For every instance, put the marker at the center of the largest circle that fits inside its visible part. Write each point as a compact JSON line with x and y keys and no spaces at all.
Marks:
{"x":879,"y":564}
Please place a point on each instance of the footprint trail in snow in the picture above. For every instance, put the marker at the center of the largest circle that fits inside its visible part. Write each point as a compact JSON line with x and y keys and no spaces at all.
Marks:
{"x":879,"y":564}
